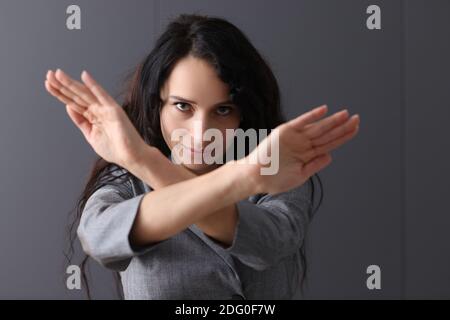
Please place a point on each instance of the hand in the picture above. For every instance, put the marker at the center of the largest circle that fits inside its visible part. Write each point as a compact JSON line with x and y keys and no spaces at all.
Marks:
{"x":103,"y":122}
{"x":304,"y":146}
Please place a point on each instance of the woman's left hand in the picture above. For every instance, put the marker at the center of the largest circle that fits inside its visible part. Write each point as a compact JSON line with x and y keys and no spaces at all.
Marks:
{"x":297,"y":149}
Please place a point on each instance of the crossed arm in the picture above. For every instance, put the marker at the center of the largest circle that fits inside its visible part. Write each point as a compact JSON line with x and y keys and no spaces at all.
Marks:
{"x":215,"y":201}
{"x":208,"y":201}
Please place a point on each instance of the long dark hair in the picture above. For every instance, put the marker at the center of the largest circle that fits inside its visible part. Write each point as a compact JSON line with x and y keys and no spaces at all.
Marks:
{"x":253,"y":88}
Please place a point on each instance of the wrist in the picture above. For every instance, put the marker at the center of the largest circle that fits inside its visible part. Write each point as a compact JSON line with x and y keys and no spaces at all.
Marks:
{"x":245,"y":177}
{"x":156,"y":169}
{"x":137,"y":164}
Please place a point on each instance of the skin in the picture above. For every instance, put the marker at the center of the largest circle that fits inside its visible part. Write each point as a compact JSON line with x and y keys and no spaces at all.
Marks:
{"x":200,"y":194}
{"x":205,"y":92}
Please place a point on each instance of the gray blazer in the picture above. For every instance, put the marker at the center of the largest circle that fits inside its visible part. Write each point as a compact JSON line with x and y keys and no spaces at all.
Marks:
{"x":263,"y":261}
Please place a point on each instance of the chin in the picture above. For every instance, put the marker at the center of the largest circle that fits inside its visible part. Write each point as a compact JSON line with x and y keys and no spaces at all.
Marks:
{"x":200,"y":168}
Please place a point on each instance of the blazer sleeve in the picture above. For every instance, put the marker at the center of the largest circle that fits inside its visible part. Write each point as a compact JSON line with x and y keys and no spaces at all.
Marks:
{"x":105,"y":225}
{"x":271,"y":228}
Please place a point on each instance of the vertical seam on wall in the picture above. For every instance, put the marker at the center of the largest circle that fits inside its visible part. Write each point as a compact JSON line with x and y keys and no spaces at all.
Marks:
{"x":403,"y":150}
{"x":156,"y":18}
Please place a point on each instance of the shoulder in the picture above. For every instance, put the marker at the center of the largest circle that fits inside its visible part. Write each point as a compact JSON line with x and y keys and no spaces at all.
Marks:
{"x":119,"y":183}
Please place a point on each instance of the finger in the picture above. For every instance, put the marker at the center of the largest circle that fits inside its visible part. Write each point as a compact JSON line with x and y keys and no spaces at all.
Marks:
{"x":349,"y":125}
{"x":51,"y":77}
{"x":80,"y":121}
{"x":317,"y":129}
{"x":90,"y":116}
{"x":75,"y":87}
{"x":76,"y":107}
{"x":315,"y":114}
{"x":55,"y":92}
{"x":316,"y":164}
{"x":337,"y":142}
{"x":102,"y":96}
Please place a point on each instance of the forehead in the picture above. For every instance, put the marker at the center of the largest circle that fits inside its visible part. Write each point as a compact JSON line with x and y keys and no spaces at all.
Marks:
{"x":195,"y":79}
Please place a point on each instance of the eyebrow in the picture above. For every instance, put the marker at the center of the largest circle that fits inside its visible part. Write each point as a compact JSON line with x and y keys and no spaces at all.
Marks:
{"x":193,"y":102}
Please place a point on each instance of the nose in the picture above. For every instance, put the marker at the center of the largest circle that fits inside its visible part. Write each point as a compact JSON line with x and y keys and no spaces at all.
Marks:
{"x":198,"y":127}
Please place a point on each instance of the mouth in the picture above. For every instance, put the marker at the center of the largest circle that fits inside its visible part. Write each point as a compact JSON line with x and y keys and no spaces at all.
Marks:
{"x":192,"y":150}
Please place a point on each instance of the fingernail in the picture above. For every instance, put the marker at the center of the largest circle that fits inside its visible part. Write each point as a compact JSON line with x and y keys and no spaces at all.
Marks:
{"x":86,"y":74}
{"x":324,"y":106}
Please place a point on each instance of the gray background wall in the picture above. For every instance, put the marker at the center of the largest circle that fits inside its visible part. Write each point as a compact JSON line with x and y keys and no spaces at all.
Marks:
{"x":385,"y":192}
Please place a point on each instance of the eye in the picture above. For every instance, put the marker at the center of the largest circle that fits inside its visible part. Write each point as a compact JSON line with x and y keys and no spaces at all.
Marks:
{"x":181,"y":106}
{"x":224,"y":110}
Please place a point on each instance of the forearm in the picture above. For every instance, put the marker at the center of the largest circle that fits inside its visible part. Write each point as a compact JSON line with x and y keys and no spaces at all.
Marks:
{"x":170,"y":209}
{"x":155,"y":169}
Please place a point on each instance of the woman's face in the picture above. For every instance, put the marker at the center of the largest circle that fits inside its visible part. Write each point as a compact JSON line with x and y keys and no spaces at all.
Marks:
{"x":194,"y":93}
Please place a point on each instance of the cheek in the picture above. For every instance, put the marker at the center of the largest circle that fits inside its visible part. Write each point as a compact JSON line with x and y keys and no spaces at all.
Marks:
{"x":169,"y":124}
{"x":165,"y":126}
{"x":235,"y":120}
{"x":231,"y":124}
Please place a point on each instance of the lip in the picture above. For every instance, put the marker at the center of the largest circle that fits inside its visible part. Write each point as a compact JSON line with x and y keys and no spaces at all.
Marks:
{"x":193,"y":150}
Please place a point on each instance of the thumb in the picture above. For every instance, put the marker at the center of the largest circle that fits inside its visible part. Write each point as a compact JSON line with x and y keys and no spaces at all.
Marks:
{"x":80,"y":121}
{"x":317,"y":164}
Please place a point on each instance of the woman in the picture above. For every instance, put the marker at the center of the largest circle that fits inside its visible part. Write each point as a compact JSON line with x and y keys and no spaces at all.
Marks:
{"x":194,"y":230}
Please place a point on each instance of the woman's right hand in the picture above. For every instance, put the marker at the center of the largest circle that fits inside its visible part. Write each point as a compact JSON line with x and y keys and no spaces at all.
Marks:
{"x":100,"y":118}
